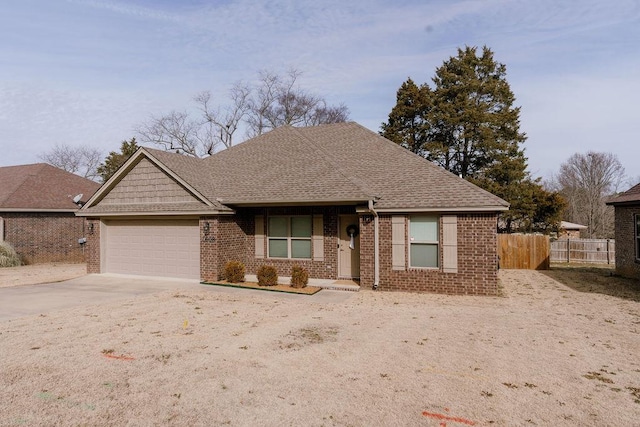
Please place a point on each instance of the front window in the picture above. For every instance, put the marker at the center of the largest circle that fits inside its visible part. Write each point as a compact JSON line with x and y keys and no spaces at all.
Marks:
{"x":637,"y":236}
{"x":423,"y":238}
{"x":290,"y":237}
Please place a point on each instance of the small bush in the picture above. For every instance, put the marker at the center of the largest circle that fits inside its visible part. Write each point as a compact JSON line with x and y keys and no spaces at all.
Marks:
{"x":8,"y":256}
{"x":267,"y":276}
{"x":234,"y":271}
{"x":299,"y":277}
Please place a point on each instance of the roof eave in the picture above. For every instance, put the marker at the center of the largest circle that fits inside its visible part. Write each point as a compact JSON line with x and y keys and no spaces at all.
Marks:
{"x":36,"y":210}
{"x":268,"y":203}
{"x":624,"y":203}
{"x":459,"y":209}
{"x":153,"y":213}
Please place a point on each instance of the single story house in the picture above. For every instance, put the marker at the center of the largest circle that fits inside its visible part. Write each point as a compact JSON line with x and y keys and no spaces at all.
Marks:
{"x":37,"y":212}
{"x":627,"y":229}
{"x":570,"y":230}
{"x":339,"y":200}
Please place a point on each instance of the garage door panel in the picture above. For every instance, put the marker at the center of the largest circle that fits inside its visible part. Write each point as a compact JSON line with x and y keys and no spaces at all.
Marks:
{"x":167,"y":248}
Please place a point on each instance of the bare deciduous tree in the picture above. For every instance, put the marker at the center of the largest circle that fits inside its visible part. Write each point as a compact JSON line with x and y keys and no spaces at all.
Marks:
{"x":177,"y":132}
{"x":224,"y":122}
{"x":278,"y":101}
{"x":274,"y":101}
{"x":81,"y":160}
{"x":586,"y":181}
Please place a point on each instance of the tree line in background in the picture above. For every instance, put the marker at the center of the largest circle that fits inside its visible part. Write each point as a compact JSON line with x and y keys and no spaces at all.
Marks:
{"x":466,"y":123}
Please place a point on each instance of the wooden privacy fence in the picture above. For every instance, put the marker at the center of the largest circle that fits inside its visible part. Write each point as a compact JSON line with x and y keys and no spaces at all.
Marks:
{"x":524,"y":251}
{"x":602,"y":251}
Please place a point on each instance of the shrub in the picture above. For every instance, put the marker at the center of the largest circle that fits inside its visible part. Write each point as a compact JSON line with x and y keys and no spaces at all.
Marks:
{"x":299,"y":276}
{"x":267,"y":276}
{"x":8,"y":256}
{"x":234,"y":271}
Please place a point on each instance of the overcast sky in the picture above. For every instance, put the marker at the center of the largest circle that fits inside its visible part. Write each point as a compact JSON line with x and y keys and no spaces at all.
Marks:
{"x":89,"y":71}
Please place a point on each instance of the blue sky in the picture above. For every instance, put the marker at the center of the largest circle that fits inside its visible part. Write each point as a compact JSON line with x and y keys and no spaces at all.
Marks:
{"x":90,"y":71}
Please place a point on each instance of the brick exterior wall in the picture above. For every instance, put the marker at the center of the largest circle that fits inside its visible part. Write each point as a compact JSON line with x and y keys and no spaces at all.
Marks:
{"x":477,"y":260}
{"x":227,"y":238}
{"x":41,"y":237}
{"x":232,"y":238}
{"x":626,"y":263}
{"x":93,"y":246}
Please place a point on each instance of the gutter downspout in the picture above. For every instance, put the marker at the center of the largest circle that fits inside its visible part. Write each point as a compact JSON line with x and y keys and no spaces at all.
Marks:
{"x":376,"y":246}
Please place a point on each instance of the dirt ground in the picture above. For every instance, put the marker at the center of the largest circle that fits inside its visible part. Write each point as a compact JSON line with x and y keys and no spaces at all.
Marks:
{"x":548,"y":352}
{"x":40,"y":273}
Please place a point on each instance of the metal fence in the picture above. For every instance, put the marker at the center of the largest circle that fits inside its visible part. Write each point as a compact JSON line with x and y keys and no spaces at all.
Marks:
{"x":597,"y":251}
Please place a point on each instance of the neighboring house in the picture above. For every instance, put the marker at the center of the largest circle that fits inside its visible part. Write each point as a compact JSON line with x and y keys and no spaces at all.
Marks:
{"x":37,"y":212}
{"x":338,"y":199}
{"x":627,"y":224}
{"x":570,"y":230}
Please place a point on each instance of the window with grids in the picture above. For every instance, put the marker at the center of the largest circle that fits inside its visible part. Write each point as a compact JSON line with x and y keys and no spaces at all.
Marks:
{"x":424,"y":241}
{"x":289,"y":237}
{"x":637,"y":236}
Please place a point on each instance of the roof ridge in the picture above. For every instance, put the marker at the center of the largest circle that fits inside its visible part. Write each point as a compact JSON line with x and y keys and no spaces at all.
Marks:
{"x":355,"y":181}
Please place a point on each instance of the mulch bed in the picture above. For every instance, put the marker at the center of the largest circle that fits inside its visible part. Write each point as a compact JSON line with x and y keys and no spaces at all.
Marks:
{"x":308,"y":290}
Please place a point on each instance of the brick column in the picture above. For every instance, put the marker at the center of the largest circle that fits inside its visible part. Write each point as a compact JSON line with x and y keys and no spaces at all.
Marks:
{"x":209,"y":248}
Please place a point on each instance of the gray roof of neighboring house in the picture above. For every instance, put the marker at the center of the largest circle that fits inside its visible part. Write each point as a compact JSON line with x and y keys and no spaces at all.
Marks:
{"x":328,"y":164}
{"x":629,"y":197}
{"x":41,"y":187}
{"x":566,"y":225}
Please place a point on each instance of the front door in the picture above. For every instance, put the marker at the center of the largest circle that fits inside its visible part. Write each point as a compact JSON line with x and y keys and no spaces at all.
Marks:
{"x":349,"y":247}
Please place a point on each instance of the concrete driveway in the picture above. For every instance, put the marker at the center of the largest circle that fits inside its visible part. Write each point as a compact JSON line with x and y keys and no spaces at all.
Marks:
{"x":28,"y":300}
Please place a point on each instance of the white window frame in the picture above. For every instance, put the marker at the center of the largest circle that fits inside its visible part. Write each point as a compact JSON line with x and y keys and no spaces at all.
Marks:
{"x":289,"y":238}
{"x":435,"y":243}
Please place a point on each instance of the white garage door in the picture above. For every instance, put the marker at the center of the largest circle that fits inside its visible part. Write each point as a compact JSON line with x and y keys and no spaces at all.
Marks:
{"x":167,"y":248}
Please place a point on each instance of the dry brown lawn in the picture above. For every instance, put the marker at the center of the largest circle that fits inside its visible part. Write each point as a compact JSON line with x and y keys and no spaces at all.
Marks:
{"x":549,"y":352}
{"x":40,"y":273}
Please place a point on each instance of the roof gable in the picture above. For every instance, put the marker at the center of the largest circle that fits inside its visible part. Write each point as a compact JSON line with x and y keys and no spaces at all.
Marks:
{"x":144,"y":184}
{"x":42,"y":187}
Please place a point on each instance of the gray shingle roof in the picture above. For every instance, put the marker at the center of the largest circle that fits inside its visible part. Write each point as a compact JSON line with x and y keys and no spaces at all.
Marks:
{"x":282,"y":166}
{"x":631,"y":196}
{"x":327,"y":164}
{"x":400,"y":178}
{"x":41,"y":187}
{"x":338,"y":162}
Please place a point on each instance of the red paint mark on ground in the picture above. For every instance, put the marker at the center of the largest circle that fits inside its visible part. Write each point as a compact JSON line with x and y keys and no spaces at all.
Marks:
{"x":446,"y":418}
{"x":121,"y":357}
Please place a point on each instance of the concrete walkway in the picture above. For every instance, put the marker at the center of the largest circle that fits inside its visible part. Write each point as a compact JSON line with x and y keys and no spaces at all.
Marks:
{"x":29,"y":300}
